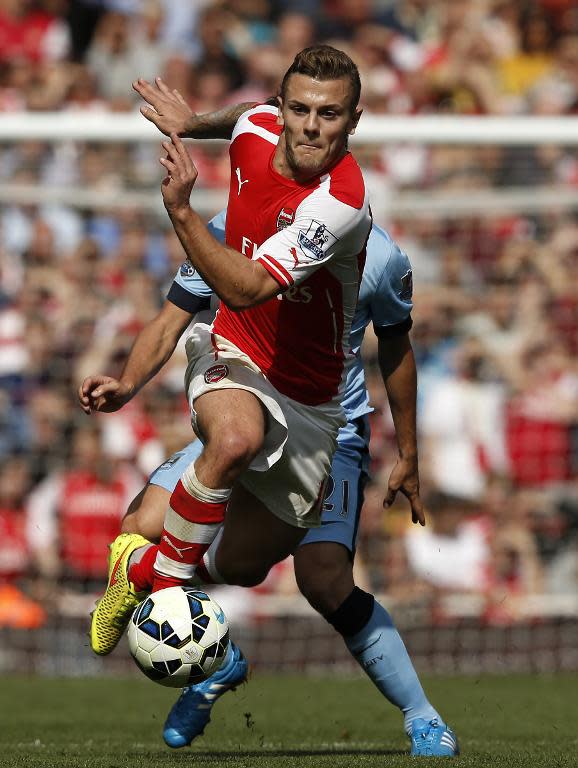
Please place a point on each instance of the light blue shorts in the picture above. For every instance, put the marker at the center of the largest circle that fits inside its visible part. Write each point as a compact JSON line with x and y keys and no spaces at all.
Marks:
{"x":170,"y":471}
{"x":345,"y":487}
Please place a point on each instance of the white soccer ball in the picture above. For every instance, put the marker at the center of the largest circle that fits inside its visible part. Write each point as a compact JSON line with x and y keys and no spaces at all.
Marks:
{"x":178,"y":636}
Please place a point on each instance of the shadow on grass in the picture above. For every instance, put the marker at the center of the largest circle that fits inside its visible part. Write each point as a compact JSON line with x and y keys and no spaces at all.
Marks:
{"x":248,"y":753}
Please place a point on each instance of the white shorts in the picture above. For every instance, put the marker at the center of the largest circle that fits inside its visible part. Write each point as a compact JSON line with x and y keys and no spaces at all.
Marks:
{"x":288,"y":475}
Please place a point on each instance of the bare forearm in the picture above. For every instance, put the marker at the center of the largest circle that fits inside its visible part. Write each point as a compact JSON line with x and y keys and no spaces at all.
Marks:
{"x":398,"y":369}
{"x":236,"y":280}
{"x":216,"y":125}
{"x":152,"y":348}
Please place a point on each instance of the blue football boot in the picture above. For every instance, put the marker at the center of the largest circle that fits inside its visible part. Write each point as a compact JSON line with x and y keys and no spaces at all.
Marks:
{"x":192,"y":710}
{"x":433,"y":739}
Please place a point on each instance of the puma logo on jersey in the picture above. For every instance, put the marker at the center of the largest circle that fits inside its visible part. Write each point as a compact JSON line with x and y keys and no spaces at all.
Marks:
{"x":241,"y":181}
{"x":178,"y":550}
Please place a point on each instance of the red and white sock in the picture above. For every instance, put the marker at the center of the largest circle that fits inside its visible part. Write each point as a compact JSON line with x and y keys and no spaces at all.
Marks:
{"x":142,"y":574}
{"x":141,"y":567}
{"x":207,"y":572}
{"x":192,"y":522}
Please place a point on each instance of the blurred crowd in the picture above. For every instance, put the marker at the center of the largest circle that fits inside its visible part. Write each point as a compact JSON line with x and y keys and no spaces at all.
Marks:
{"x":460,"y":56}
{"x":496,"y":294}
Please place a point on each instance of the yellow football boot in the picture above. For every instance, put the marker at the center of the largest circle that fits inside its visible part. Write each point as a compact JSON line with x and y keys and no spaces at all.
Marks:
{"x":114,"y":609}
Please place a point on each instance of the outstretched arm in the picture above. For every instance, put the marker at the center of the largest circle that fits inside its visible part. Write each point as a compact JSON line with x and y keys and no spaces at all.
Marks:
{"x":397,"y":365}
{"x":152,"y":348}
{"x":171,"y":114}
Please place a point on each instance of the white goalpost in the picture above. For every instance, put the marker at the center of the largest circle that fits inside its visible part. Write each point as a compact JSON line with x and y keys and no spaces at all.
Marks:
{"x":432,"y":129}
{"x":131,"y":129}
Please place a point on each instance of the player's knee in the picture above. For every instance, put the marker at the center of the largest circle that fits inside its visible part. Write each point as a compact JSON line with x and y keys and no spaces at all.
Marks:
{"x":324,"y":583}
{"x":145,"y":514}
{"x":317,"y":590}
{"x":235,"y":449}
{"x":131,"y":521}
{"x":130,"y":524}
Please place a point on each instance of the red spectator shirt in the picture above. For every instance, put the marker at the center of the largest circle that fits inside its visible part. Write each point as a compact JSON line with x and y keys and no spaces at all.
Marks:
{"x":311,"y":238}
{"x":14,"y":549}
{"x":90,"y":512}
{"x":539,"y":448}
{"x":23,"y":37}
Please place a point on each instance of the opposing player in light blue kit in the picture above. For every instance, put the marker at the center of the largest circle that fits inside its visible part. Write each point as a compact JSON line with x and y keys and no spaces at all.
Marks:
{"x":324,"y":559}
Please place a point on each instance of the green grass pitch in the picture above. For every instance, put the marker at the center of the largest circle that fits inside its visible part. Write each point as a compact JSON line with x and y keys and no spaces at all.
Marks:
{"x":285,"y":721}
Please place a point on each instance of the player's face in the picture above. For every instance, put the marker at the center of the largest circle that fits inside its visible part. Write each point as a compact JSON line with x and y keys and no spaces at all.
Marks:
{"x":317,"y":119}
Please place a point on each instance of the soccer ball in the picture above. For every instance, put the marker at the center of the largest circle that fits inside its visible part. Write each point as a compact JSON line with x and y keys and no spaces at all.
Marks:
{"x":178,"y":636}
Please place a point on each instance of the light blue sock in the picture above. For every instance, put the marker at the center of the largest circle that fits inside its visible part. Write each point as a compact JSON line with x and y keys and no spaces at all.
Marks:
{"x":380,"y":651}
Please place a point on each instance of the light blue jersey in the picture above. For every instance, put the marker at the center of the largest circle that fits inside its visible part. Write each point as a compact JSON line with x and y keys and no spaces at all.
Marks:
{"x":385,"y":300}
{"x":189,"y":291}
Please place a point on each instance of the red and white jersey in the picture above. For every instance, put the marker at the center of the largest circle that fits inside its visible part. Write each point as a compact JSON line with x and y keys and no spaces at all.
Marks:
{"x":311,"y":238}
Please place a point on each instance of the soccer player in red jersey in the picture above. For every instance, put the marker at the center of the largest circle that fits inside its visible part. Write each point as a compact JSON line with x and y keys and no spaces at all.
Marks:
{"x":265,"y":380}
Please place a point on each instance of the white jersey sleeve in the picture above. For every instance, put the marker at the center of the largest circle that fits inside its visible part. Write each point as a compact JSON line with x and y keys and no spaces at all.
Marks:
{"x":245,"y":123}
{"x":324,"y":229}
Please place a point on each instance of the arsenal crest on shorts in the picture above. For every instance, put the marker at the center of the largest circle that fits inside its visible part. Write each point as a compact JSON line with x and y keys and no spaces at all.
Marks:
{"x":285,"y":218}
{"x":215,"y":373}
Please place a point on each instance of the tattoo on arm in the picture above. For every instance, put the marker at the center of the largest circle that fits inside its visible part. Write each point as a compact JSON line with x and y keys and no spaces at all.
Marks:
{"x":219,"y":124}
